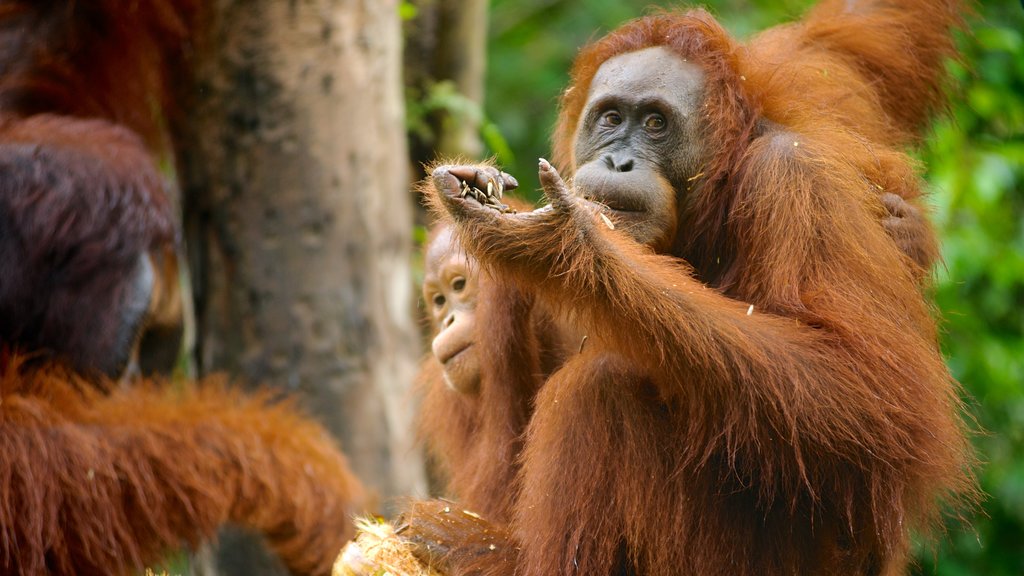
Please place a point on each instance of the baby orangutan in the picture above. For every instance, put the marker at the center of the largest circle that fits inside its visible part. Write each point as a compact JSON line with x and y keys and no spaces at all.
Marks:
{"x":490,"y":350}
{"x":450,"y":287}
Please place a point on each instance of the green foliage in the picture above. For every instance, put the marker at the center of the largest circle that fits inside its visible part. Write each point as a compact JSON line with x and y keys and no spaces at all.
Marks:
{"x":407,"y":11}
{"x":531,"y":45}
{"x":442,"y":99}
{"x":975,"y":165}
{"x":439,"y":97}
{"x":176,"y":563}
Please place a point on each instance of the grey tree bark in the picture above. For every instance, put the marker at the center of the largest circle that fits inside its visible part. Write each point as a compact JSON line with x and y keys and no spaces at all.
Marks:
{"x":298,"y":220}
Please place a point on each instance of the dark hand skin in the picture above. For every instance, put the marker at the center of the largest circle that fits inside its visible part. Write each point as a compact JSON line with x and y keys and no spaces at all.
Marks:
{"x":478,"y":176}
{"x":563,"y":204}
{"x":906,"y":224}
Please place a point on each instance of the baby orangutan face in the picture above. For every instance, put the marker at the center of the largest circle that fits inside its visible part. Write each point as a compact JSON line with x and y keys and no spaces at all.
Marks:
{"x":450,"y":292}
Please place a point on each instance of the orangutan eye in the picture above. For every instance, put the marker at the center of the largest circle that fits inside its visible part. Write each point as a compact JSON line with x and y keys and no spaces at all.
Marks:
{"x":439,"y":300}
{"x":611,"y":118}
{"x":458,"y":284}
{"x":655,"y":123}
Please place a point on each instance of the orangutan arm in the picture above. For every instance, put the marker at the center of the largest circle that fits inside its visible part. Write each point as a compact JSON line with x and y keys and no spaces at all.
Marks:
{"x":817,"y":361}
{"x":94,"y":484}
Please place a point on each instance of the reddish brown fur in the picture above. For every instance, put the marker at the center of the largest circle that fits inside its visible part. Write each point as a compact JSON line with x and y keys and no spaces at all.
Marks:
{"x":869,"y":79}
{"x":95,"y":479}
{"x":697,"y":435}
{"x":94,"y":484}
{"x":477,"y":438}
{"x":94,"y":58}
{"x":476,"y":539}
{"x":85,"y":88}
{"x":80,"y":200}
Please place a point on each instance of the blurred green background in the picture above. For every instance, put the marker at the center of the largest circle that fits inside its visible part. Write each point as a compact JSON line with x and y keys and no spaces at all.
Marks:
{"x":974,"y":162}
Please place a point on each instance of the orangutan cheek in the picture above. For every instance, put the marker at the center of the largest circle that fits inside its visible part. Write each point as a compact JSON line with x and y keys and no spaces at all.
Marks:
{"x":462,"y":372}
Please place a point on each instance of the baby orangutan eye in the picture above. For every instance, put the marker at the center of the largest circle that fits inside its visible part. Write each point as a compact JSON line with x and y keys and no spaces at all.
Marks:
{"x":438,"y":300}
{"x":459,"y":284}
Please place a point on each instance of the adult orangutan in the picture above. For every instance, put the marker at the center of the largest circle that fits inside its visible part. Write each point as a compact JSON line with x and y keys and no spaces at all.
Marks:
{"x":85,"y":92}
{"x":97,"y":477}
{"x":487,"y":362}
{"x":760,"y":390}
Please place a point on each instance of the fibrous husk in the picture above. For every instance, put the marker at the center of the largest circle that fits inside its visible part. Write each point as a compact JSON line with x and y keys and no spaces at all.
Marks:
{"x":378,"y":551}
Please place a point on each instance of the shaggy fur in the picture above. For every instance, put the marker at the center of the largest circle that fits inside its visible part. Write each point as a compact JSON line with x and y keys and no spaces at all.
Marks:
{"x":95,"y":58}
{"x":95,"y":479}
{"x":85,"y":90}
{"x":768,"y":397}
{"x":80,"y":203}
{"x":106,"y":484}
{"x":477,"y":438}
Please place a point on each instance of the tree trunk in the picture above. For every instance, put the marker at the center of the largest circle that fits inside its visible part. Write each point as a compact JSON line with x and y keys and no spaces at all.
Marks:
{"x":298,"y":218}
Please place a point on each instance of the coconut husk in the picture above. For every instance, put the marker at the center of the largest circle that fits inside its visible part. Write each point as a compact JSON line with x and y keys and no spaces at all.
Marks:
{"x":378,"y":551}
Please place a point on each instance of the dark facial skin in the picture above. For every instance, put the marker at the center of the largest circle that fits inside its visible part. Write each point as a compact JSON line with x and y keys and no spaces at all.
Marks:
{"x":450,"y":292}
{"x":134,"y":309}
{"x":638,"y":141}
